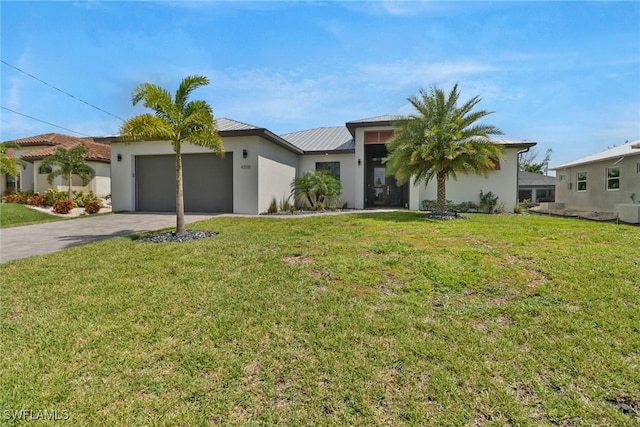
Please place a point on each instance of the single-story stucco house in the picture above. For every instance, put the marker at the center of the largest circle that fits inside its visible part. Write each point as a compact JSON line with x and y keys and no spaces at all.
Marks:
{"x":259,"y":166}
{"x":33,"y":177}
{"x":608,"y":181}
{"x":536,"y":187}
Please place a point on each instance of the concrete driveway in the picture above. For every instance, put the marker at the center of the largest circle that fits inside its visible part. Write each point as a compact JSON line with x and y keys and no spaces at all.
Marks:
{"x":39,"y":239}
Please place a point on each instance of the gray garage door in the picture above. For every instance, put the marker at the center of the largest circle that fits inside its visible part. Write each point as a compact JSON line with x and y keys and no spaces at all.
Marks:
{"x":207,"y":183}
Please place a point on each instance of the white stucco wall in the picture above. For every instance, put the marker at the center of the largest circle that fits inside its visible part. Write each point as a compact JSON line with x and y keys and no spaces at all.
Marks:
{"x":502,"y":183}
{"x":276,"y":169}
{"x":348,"y":169}
{"x":100,"y":185}
{"x":597,"y":197}
{"x":265,"y":172}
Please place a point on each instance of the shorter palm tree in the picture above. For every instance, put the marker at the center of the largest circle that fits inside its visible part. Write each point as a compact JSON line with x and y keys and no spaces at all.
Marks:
{"x":316,"y":190}
{"x":69,"y":163}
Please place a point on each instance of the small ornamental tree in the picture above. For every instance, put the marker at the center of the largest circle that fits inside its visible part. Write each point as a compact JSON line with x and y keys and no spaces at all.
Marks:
{"x":69,"y":163}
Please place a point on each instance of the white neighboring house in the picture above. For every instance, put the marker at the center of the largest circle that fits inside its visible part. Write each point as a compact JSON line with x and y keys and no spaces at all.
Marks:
{"x":260,"y":166}
{"x":608,"y":181}
{"x":34,"y":149}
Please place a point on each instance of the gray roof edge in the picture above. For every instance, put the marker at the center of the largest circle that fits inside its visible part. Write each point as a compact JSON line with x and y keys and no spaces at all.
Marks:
{"x":316,"y":152}
{"x":263,"y":132}
{"x":634,"y":150}
{"x":388,"y":120}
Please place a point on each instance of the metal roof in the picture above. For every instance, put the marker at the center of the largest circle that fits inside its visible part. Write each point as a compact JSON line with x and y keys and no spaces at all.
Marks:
{"x":628,"y":149}
{"x":530,"y":179}
{"x":229,"y":128}
{"x":225,"y":124}
{"x":322,"y":139}
{"x":386,"y":120}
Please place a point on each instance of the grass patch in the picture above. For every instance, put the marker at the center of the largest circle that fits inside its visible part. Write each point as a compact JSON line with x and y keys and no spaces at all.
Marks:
{"x":383,"y":318}
{"x":14,"y":214}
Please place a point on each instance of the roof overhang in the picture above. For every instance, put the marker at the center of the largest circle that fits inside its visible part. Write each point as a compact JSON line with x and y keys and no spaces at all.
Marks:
{"x":352,"y":126}
{"x":322,"y":152}
{"x":264,"y":133}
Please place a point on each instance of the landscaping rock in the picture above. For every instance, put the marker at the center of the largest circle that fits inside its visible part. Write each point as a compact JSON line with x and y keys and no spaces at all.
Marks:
{"x":445,"y":215}
{"x":172,"y":236}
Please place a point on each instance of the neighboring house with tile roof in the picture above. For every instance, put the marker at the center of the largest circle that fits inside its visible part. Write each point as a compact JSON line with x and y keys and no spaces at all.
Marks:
{"x":33,"y":177}
{"x":259,"y":166}
{"x":608,"y":181}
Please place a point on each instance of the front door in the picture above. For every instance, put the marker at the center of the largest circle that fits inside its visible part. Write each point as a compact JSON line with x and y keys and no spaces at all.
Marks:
{"x":382,"y":190}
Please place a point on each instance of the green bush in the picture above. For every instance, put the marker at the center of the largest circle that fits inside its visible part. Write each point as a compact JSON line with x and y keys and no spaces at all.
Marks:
{"x":488,"y":202}
{"x":315,"y":190}
{"x":63,"y":206}
{"x":273,"y":206}
{"x":285,"y":204}
{"x":51,"y":196}
{"x":80,"y":199}
{"x":430,"y":205}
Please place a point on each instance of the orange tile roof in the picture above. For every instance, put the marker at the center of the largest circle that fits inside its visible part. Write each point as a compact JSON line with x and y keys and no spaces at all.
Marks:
{"x":98,"y":152}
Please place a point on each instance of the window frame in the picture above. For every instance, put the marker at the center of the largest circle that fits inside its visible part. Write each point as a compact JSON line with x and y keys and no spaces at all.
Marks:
{"x":333,"y":167}
{"x":610,"y":179}
{"x":581,"y":178}
{"x":45,"y":169}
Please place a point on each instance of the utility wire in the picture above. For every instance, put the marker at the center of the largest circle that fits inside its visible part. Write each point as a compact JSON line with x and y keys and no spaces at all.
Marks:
{"x":39,"y":120}
{"x":59,"y":90}
{"x":23,"y":128}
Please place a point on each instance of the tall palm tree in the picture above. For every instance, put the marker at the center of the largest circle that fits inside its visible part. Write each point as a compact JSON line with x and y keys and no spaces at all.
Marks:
{"x":176,"y":120}
{"x":441,"y":140}
{"x":69,"y":162}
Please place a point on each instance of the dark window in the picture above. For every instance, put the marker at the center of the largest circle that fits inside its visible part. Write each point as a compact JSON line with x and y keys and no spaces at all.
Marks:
{"x":333,"y":167}
{"x":44,"y":170}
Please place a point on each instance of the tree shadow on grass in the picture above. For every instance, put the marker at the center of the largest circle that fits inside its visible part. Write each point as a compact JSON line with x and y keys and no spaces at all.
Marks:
{"x":83,"y":239}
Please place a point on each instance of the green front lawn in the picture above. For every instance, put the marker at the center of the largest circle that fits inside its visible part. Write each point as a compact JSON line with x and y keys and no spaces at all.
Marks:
{"x":372,"y":319}
{"x":14,"y":214}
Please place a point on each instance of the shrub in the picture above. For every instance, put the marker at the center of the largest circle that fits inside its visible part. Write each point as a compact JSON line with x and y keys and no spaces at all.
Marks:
{"x":316,"y":190}
{"x":35,"y":200}
{"x":92,"y":207}
{"x":10,"y":198}
{"x":517,"y":209}
{"x":488,"y":202}
{"x":430,"y":205}
{"x":63,"y":206}
{"x":51,"y":196}
{"x":18,"y":197}
{"x":273,"y":207}
{"x":285,"y":204}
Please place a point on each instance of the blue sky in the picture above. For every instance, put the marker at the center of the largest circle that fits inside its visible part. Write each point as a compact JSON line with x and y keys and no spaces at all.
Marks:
{"x":563,"y":74}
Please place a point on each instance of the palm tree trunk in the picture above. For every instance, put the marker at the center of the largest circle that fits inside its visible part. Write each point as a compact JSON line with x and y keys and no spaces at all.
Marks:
{"x":180,"y":228}
{"x":441,"y":202}
{"x":70,"y":191}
